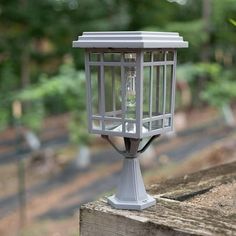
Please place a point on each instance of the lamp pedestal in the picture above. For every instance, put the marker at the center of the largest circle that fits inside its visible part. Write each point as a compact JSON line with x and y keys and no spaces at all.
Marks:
{"x":131,"y":193}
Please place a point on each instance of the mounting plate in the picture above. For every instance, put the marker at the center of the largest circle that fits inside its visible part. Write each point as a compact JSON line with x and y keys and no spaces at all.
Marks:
{"x":131,"y":205}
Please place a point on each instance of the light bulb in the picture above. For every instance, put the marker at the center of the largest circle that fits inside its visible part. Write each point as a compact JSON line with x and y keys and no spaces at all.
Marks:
{"x":130,"y":97}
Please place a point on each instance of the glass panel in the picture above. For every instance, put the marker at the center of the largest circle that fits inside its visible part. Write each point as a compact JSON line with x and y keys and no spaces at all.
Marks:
{"x":146,"y":127}
{"x":169,"y":77}
{"x":167,"y":122}
{"x":112,"y":84}
{"x":130,"y":57}
{"x":147,"y":57}
{"x":112,"y":57}
{"x":96,"y":124}
{"x":130,"y":92}
{"x":94,"y":56}
{"x":158,"y":90}
{"x":159,"y":55}
{"x":95,"y":89}
{"x":157,"y":124}
{"x":170,"y":55}
{"x":114,"y":126}
{"x":130,"y":127}
{"x":146,"y":91}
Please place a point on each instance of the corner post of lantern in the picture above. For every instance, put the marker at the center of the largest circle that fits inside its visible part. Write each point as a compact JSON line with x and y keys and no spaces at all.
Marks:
{"x":139,"y":89}
{"x":88,"y":89}
{"x":126,"y":98}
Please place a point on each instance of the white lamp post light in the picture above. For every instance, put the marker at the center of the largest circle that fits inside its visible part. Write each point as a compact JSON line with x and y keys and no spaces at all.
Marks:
{"x":130,"y":93}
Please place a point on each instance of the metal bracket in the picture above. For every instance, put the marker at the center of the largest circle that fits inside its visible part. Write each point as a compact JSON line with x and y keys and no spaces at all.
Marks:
{"x":131,"y":146}
{"x":148,"y":143}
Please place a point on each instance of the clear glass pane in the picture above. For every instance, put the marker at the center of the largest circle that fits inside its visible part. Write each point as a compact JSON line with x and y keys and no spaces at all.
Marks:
{"x":146,"y":127}
{"x":94,"y":56}
{"x":130,"y":92}
{"x":147,"y":57}
{"x":95,"y":89}
{"x":170,"y":55}
{"x":130,"y":57}
{"x":130,"y":127}
{"x":96,"y":124}
{"x":167,"y":122}
{"x":114,"y":126}
{"x":169,"y":77}
{"x":117,"y":90}
{"x":146,"y":91}
{"x":158,"y":90}
{"x":159,"y":55}
{"x":112,"y":85}
{"x":112,"y":57}
{"x":157,"y":124}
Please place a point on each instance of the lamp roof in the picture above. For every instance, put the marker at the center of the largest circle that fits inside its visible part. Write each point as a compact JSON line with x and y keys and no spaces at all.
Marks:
{"x":130,"y":39}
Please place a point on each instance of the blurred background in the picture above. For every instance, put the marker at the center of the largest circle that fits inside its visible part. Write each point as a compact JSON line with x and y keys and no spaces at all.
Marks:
{"x":49,"y":164}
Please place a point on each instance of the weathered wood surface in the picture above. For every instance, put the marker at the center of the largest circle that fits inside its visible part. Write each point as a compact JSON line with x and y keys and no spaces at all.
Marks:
{"x":174,"y":213}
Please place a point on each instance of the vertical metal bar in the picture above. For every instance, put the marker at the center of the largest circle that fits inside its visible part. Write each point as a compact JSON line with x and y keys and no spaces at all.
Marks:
{"x":139,"y":93}
{"x":157,"y":89}
{"x":151,"y":91}
{"x":173,"y":89}
{"x":123,"y":94}
{"x":113,"y":90}
{"x":164,"y":94}
{"x":88,"y":90}
{"x":102,"y":91}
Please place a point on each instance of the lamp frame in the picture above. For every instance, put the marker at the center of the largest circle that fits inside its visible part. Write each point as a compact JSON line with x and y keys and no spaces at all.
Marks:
{"x":140,"y":64}
{"x":131,"y":193}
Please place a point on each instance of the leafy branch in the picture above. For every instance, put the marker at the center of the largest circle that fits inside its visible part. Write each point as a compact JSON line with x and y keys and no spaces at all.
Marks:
{"x":232,"y":22}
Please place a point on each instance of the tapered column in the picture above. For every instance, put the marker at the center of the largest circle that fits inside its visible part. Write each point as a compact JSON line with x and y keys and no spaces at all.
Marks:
{"x":131,"y":193}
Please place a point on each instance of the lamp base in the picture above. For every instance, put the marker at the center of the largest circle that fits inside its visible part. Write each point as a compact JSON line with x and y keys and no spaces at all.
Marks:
{"x":131,"y":193}
{"x":131,"y":205}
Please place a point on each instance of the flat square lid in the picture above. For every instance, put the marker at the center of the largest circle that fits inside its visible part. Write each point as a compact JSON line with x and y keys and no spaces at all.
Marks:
{"x":130,"y":39}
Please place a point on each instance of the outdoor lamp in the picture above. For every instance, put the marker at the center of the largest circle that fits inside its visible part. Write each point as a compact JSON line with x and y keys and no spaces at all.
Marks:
{"x":130,"y":93}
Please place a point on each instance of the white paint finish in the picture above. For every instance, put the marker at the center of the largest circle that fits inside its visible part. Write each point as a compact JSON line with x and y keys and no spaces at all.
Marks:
{"x":130,"y":39}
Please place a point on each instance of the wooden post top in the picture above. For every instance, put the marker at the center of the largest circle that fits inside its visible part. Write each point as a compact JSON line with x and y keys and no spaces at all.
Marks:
{"x":202,"y":203}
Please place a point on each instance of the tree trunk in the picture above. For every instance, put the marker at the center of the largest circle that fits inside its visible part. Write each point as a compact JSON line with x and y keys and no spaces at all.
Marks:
{"x":25,"y":57}
{"x":25,"y":72}
{"x":206,"y":16}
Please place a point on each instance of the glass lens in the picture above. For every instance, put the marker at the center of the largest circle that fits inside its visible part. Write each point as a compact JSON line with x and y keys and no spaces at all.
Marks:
{"x":169,"y":77}
{"x":112,"y":85}
{"x":130,"y":57}
{"x":159,"y":55}
{"x":170,"y":55}
{"x":95,"y":89}
{"x":146,"y":91}
{"x":147,"y":57}
{"x":112,"y":57}
{"x":130,"y":92}
{"x":94,"y":56}
{"x":158,"y":90}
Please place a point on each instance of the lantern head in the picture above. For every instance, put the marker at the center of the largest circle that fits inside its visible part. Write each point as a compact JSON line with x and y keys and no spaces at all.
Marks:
{"x":130,"y":81}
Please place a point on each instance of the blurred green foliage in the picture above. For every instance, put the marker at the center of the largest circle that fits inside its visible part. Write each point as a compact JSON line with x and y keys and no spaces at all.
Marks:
{"x":233,"y":22}
{"x":220,"y":85}
{"x":220,"y":90}
{"x":36,"y":37}
{"x":68,"y":87}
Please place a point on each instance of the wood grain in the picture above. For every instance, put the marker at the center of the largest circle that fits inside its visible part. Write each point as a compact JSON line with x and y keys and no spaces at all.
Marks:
{"x":173,"y":214}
